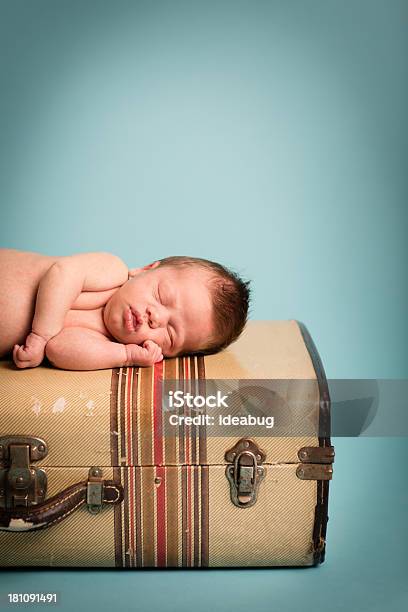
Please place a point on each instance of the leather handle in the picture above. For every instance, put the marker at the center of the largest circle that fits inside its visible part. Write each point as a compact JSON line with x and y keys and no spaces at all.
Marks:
{"x":56,"y":508}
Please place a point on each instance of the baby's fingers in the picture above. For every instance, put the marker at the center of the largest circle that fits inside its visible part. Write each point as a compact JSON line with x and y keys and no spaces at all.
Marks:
{"x":154,"y":351}
{"x":157,"y":355}
{"x":20,"y":351}
{"x":15,"y":351}
{"x":20,"y":356}
{"x":24,"y":357}
{"x":150,"y":345}
{"x":133,"y":272}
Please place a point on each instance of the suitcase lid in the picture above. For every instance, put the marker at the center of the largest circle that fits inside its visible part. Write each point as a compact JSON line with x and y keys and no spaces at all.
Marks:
{"x":116,"y":417}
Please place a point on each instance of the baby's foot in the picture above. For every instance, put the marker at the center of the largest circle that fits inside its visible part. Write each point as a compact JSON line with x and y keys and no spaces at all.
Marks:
{"x":32,"y":353}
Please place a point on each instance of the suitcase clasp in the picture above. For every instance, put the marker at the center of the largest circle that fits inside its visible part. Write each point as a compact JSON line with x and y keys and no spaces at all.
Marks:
{"x":21,"y":485}
{"x":245,"y":473}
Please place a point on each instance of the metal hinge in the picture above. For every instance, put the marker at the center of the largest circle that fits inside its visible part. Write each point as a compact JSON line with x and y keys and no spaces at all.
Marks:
{"x":316,"y":463}
{"x":94,"y":492}
{"x":245,"y":473}
{"x":21,"y":484}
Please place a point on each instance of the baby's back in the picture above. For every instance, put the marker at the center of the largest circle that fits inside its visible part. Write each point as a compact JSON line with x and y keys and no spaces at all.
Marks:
{"x":20,"y":274}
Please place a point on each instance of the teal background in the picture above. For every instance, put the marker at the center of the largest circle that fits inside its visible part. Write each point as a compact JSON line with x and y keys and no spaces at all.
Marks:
{"x":272,"y":137}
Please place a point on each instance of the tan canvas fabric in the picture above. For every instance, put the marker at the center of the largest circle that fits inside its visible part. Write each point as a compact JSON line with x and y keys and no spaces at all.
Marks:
{"x":266,"y":349}
{"x":70,"y":410}
{"x":277,"y":530}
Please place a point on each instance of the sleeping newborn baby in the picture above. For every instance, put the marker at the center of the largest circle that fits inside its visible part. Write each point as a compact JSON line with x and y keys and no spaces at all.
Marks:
{"x":89,"y":311}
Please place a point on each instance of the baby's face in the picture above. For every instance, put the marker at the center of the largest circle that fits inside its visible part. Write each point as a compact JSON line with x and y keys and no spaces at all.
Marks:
{"x":171,"y":306}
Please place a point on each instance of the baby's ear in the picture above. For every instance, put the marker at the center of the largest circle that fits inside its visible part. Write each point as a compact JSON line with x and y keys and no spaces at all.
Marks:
{"x":135,"y":271}
{"x":151,"y":266}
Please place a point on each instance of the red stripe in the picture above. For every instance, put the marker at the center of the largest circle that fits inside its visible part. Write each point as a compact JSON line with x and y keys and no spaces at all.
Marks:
{"x":157,"y":411}
{"x":131,"y":469}
{"x":160,"y":471}
{"x":188,"y":441}
{"x":187,"y":429}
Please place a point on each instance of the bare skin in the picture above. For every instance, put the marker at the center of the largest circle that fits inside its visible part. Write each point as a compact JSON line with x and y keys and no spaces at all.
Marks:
{"x":88,"y":311}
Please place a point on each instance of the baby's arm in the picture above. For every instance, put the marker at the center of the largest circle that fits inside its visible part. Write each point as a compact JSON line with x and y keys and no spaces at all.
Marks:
{"x":58,"y":290}
{"x":79,"y":348}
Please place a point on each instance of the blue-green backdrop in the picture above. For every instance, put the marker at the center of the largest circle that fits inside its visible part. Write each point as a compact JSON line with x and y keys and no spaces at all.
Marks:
{"x":270,"y":136}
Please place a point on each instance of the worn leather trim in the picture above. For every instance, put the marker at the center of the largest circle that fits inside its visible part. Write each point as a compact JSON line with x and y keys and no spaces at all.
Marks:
{"x":321,"y":510}
{"x":56,"y":508}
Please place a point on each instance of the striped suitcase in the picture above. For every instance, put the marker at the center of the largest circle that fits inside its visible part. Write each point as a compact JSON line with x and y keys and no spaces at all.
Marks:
{"x":88,"y":477}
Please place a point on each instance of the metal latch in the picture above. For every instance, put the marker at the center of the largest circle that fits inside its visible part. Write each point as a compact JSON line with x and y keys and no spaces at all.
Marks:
{"x":245,"y":473}
{"x":21,"y":484}
{"x":316,"y":463}
{"x":94,"y":492}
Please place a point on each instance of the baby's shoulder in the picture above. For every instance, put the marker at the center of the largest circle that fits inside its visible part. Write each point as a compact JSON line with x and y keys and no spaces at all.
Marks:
{"x":24,"y":264}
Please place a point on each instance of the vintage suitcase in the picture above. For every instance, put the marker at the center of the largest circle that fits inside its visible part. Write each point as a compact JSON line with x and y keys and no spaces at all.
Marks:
{"x":90,"y":477}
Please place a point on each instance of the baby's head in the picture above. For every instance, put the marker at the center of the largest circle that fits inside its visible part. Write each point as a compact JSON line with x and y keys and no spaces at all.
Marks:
{"x":184,"y":304}
{"x":229,"y":300}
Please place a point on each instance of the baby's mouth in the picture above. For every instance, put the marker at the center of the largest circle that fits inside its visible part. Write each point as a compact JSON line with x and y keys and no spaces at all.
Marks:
{"x":133,"y":320}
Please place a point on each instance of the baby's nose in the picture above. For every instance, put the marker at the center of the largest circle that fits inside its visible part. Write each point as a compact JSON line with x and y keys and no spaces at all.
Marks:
{"x":156,"y":319}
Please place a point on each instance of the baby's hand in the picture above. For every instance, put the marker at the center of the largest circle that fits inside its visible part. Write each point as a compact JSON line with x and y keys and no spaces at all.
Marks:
{"x":145,"y":355}
{"x":133,"y":272}
{"x":32,"y":353}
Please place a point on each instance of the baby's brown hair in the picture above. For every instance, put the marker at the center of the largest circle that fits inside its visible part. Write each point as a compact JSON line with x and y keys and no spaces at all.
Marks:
{"x":230,"y":297}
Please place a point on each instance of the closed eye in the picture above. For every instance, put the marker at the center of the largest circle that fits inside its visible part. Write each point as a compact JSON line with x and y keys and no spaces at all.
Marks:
{"x":158,"y":296}
{"x":165,"y":294}
{"x":170,"y":338}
